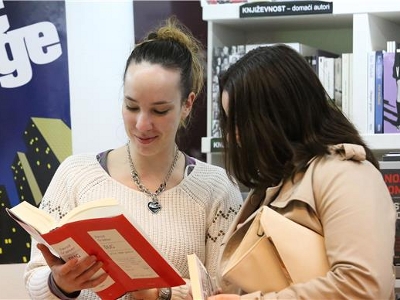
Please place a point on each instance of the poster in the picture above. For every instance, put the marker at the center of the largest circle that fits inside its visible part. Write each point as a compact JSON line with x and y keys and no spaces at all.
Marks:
{"x":35,"y":121}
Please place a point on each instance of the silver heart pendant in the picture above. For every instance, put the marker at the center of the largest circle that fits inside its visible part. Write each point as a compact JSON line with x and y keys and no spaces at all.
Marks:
{"x":154,"y":207}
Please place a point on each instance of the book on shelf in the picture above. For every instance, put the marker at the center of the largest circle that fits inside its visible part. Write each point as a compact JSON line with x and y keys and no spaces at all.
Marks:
{"x":338,"y":81}
{"x":102,"y":228}
{"x":391,"y":174}
{"x":371,"y":63}
{"x":378,"y":108}
{"x":326,"y":73}
{"x":203,"y":285}
{"x":347,"y":84}
{"x":390,"y":111}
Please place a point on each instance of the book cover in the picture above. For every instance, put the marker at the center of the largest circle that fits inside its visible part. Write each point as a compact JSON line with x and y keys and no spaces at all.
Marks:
{"x":203,"y":286}
{"x":390,"y":110}
{"x":102,"y":228}
{"x":223,"y":58}
{"x":391,"y":174}
{"x":378,"y":128}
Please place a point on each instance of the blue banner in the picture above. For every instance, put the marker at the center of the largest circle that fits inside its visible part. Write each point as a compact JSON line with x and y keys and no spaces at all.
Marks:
{"x":35,"y":121}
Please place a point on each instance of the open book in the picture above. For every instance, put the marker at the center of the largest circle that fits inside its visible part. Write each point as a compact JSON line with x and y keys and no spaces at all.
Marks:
{"x":102,"y":228}
{"x":203,"y":286}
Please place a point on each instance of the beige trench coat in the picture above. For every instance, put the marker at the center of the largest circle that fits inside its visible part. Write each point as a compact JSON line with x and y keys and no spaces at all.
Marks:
{"x":344,"y":198}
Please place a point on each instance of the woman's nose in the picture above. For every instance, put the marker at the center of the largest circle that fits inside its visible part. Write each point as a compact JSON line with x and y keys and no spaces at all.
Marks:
{"x":144,"y":122}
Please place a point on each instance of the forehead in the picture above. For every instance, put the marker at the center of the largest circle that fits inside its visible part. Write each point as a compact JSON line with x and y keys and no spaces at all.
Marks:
{"x":152,"y":83}
{"x":152,"y":72}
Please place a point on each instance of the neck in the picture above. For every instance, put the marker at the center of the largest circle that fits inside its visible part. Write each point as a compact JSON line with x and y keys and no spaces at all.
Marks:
{"x":151,"y":172}
{"x":152,"y":164}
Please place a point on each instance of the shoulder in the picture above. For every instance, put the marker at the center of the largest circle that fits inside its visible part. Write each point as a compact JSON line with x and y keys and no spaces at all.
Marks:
{"x":211,"y":181}
{"x":210,"y":173}
{"x":80,"y":160}
{"x":336,"y":176}
{"x":204,"y":166}
{"x":344,"y":160}
{"x":339,"y":174}
{"x":78,"y":165}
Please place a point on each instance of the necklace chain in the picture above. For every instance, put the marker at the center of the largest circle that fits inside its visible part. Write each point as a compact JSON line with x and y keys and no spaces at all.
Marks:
{"x":140,"y":185}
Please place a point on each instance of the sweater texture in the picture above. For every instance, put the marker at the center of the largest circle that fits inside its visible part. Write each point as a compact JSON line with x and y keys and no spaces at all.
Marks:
{"x":194,"y":217}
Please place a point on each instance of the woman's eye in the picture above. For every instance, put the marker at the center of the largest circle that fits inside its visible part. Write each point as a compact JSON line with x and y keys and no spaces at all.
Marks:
{"x":161,"y":112}
{"x":132,"y":108}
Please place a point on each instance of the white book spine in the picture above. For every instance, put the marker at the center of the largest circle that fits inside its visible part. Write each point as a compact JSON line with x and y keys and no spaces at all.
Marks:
{"x":371,"y":92}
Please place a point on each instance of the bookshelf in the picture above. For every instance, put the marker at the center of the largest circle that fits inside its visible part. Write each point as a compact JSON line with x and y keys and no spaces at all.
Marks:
{"x":359,"y":27}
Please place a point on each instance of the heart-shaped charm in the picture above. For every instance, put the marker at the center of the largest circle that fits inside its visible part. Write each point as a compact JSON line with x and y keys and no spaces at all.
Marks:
{"x":154,"y":207}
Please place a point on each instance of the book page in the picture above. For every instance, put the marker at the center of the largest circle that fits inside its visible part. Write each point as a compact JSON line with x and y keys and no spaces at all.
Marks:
{"x":203,"y":286}
{"x":102,"y":208}
{"x":31,"y":215}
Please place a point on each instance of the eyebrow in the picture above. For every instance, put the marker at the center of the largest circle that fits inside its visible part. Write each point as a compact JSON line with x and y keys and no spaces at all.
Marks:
{"x":162,"y":102}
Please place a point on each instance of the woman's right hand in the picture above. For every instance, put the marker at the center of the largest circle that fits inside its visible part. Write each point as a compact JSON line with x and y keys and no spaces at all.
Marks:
{"x":75,"y":274}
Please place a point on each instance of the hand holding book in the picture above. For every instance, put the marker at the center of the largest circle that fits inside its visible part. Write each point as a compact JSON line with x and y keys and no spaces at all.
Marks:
{"x":102,"y":228}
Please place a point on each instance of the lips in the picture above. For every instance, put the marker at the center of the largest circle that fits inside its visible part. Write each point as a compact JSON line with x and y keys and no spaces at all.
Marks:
{"x":145,"y":140}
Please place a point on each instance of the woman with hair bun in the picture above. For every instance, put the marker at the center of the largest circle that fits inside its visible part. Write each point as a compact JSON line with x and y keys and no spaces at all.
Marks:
{"x":184,"y":205}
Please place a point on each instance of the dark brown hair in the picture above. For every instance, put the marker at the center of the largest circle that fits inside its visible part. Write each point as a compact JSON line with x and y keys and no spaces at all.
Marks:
{"x":173,"y":46}
{"x":280,"y":115}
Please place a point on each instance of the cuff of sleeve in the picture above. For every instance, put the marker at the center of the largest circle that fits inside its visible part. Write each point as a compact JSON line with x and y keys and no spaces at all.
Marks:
{"x":58,"y":292}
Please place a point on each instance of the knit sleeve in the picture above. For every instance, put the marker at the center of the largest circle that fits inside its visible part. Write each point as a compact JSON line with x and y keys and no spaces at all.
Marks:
{"x":55,"y":202}
{"x":224,"y":207}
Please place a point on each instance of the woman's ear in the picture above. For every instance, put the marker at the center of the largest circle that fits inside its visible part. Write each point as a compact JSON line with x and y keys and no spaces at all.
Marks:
{"x":187,"y":106}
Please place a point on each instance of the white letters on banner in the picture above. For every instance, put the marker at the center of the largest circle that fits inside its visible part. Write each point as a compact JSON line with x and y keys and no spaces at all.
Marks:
{"x":38,"y":43}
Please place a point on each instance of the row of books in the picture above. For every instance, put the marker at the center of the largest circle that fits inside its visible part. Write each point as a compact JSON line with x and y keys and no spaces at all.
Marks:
{"x":383,"y":115}
{"x":334,"y":71}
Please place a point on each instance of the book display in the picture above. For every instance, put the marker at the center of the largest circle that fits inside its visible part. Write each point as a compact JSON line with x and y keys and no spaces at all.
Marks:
{"x":355,"y":29}
{"x":390,"y":169}
{"x":101,"y":228}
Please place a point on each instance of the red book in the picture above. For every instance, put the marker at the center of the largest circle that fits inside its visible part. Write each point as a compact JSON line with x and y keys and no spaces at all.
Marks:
{"x":102,"y":228}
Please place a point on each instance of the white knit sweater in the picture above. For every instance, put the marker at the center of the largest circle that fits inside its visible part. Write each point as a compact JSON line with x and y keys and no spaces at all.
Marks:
{"x":195,"y":215}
